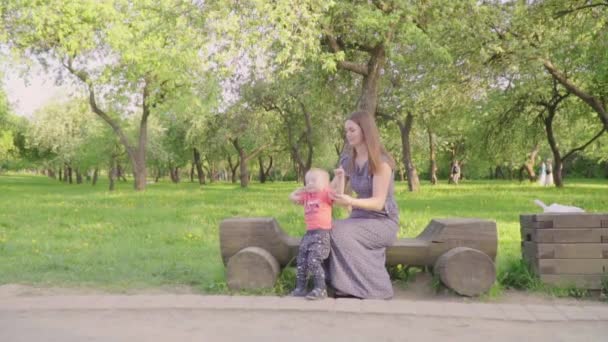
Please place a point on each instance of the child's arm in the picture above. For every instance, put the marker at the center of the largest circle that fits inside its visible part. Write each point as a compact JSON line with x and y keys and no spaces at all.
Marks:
{"x":296,"y":195}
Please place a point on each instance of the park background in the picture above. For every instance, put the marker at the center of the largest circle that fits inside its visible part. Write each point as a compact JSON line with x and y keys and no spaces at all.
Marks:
{"x":182,"y":113}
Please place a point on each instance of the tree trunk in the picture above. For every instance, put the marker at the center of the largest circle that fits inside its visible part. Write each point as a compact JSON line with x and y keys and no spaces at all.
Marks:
{"x":60,"y":174}
{"x":112,"y":171}
{"x":95,"y":176}
{"x":233,"y":169}
{"x":244,"y":170}
{"x":137,"y":155}
{"x":413,"y":183}
{"x":51,"y":174}
{"x":498,"y":174}
{"x":557,"y":158}
{"x":192,"y":172}
{"x":261,"y":171}
{"x":432,"y":158}
{"x":199,"y":166}
{"x":244,"y":159}
{"x":551,"y":108}
{"x":70,"y":174}
{"x":368,"y":100}
{"x":158,"y":174}
{"x":174,"y":171}
{"x":269,"y":168}
{"x":78,"y":176}
{"x":120,"y":172}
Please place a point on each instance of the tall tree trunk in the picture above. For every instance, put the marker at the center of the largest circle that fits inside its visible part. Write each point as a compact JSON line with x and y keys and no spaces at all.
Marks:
{"x":371,"y":72}
{"x":137,"y":154}
{"x":199,"y":166}
{"x":302,"y":164}
{"x":70,"y":174}
{"x":267,"y":172}
{"x":244,"y":159}
{"x":60,"y":174}
{"x":174,"y":171}
{"x":551,"y":108}
{"x":112,"y":171}
{"x":120,"y":172}
{"x":192,"y":172}
{"x":557,"y":158}
{"x":368,"y":100}
{"x":264,"y":172}
{"x":499,"y":174}
{"x":233,"y":169}
{"x":78,"y":176}
{"x":261,"y":171}
{"x":158,"y":174}
{"x":244,"y":170}
{"x":413,"y":183}
{"x":432,"y":158}
{"x":95,"y":176}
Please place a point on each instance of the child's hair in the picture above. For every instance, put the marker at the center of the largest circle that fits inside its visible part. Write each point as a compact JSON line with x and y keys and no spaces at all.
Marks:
{"x":317,"y":171}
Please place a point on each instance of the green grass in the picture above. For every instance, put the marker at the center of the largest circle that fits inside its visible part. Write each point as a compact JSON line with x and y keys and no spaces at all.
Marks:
{"x":79,"y":235}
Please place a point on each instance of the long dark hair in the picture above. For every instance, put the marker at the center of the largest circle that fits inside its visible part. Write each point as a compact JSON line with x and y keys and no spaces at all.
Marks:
{"x":371,"y":138}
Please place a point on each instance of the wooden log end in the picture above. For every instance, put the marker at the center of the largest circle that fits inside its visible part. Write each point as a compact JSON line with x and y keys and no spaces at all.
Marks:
{"x":252,"y":268}
{"x":467,"y":271}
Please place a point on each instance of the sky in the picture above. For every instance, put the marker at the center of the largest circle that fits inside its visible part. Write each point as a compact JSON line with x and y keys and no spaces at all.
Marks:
{"x":26,"y":97}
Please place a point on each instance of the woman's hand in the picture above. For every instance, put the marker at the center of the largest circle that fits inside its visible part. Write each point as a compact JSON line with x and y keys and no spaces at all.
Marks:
{"x":341,"y":199}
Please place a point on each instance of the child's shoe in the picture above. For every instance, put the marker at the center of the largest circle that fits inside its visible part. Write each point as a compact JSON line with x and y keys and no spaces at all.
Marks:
{"x":317,"y":293}
{"x":298,"y":292}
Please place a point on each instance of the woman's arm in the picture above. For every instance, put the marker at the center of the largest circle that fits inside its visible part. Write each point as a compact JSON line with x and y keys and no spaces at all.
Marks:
{"x":338,"y":183}
{"x":382,"y":179}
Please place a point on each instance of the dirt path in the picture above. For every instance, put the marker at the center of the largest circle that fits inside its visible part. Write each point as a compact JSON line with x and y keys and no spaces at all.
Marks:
{"x":222,"y":325}
{"x":174,"y":314}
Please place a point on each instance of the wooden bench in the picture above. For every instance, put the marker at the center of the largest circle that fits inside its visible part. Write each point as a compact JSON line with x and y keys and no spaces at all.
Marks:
{"x":460,"y":250}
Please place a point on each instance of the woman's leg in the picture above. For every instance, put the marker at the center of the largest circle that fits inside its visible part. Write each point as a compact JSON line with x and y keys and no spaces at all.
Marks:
{"x":357,"y":259}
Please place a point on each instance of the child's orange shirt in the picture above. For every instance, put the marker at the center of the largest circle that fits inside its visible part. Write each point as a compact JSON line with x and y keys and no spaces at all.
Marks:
{"x":317,"y":209}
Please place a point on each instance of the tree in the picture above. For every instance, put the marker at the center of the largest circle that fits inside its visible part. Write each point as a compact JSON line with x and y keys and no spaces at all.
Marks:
{"x":7,"y":148}
{"x":306,"y":109}
{"x":126,"y":54}
{"x":75,"y":137}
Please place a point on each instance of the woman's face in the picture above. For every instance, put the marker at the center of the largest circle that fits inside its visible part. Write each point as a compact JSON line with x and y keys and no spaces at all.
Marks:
{"x":354,"y":135}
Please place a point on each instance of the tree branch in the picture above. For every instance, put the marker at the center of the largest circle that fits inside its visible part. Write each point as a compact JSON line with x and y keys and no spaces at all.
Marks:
{"x":383,"y":6}
{"x":592,"y":101}
{"x":562,"y":13}
{"x":84,"y":77}
{"x":386,"y":116}
{"x":582,"y":147}
{"x":358,"y":68}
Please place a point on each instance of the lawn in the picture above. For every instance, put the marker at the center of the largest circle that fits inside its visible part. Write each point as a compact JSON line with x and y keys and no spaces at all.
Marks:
{"x":53,"y":234}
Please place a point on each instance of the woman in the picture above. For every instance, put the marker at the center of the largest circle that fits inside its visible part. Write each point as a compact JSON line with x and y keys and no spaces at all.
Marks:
{"x":358,"y":243}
